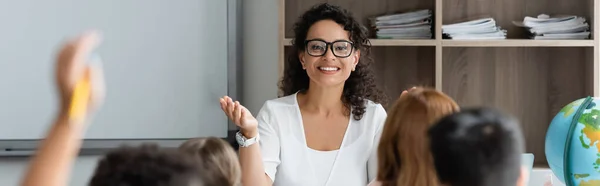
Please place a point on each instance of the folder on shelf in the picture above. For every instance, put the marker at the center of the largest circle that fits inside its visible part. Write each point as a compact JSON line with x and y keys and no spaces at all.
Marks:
{"x":557,"y":27}
{"x":404,"y":15}
{"x":406,"y":25}
{"x":484,"y":28}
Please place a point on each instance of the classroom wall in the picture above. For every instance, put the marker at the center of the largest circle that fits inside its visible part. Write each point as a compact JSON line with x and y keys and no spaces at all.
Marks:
{"x":259,"y":83}
{"x":260,"y":52}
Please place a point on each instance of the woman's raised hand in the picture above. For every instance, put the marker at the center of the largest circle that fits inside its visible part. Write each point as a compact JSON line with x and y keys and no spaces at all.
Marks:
{"x":240,"y":116}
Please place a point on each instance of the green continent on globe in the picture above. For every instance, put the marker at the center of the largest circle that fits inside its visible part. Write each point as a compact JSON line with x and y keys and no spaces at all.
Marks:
{"x":591,"y":130}
{"x":581,"y":139}
{"x":568,"y":110}
{"x":591,"y":119}
{"x":579,"y":176}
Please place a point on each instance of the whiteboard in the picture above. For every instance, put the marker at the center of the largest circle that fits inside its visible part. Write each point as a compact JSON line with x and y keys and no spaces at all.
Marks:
{"x":165,"y":62}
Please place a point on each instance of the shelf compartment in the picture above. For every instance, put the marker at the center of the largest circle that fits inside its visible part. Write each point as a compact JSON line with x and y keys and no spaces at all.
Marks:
{"x":400,"y":68}
{"x":517,"y":43}
{"x":532,"y":84}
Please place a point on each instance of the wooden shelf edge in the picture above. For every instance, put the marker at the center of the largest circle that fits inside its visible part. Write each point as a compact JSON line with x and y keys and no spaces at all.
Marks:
{"x":477,"y":43}
{"x":390,"y":42}
{"x":517,"y":43}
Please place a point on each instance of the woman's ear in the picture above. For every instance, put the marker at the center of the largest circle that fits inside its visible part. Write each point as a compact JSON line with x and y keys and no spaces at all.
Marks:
{"x":356,"y":57}
{"x":301,"y":58}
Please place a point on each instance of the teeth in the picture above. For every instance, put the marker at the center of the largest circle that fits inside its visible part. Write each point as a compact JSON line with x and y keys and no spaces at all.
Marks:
{"x":328,"y":68}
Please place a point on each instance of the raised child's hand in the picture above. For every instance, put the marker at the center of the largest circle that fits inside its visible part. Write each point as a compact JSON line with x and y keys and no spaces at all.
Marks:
{"x":73,"y":65}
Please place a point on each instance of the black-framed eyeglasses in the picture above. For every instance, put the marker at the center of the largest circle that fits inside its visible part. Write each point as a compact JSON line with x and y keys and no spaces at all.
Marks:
{"x":318,"y":48}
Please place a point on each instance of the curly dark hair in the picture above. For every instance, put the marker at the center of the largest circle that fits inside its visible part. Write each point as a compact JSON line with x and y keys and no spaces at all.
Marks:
{"x":146,"y":165}
{"x":360,"y":86}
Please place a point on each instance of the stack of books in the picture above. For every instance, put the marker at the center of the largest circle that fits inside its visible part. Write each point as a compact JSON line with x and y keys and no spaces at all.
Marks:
{"x":484,"y":28}
{"x":407,"y":25}
{"x":558,"y":27}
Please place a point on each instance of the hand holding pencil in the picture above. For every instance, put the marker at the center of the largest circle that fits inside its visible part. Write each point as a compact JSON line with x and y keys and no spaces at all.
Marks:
{"x":79,"y":77}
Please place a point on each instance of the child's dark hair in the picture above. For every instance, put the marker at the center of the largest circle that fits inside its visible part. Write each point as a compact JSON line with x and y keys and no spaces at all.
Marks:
{"x":147,"y":165}
{"x":360,"y":86}
{"x":477,"y":147}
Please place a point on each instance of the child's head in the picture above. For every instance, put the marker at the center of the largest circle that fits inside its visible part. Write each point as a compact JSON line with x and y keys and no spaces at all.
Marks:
{"x":147,"y":165}
{"x":403,"y":153}
{"x":477,"y":147}
{"x":220,"y":161}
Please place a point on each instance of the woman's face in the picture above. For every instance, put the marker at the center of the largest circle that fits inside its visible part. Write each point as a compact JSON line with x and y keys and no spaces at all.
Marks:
{"x":329,"y":56}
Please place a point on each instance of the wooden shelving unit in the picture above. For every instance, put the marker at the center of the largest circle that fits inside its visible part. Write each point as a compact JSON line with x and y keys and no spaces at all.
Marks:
{"x":531,"y":79}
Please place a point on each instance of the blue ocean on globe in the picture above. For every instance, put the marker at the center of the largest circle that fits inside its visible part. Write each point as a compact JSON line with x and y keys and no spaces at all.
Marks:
{"x":573,"y":141}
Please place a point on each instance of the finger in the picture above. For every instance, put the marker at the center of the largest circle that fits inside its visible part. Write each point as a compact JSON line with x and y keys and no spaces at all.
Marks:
{"x":238,"y":112}
{"x":237,"y":119}
{"x":84,"y":45}
{"x":98,"y":87}
{"x":222,"y":103}
{"x":230,"y":107}
{"x":243,"y":112}
{"x":71,"y":59}
{"x":225,"y":108}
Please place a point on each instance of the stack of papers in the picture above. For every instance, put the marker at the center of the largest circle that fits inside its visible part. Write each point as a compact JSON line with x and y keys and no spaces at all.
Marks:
{"x":558,"y":27}
{"x":408,"y":25}
{"x":485,"y":28}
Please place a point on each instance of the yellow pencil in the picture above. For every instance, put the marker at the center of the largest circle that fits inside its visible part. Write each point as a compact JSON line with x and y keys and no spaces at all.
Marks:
{"x":80,"y":98}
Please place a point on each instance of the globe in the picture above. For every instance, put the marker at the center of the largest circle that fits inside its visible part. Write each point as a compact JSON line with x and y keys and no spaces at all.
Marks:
{"x":573,"y":143}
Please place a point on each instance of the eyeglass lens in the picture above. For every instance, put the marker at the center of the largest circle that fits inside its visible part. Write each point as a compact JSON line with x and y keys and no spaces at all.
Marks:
{"x":319,"y":48}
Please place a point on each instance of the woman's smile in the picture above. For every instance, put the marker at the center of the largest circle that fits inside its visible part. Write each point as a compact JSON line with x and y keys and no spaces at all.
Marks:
{"x":328,"y":69}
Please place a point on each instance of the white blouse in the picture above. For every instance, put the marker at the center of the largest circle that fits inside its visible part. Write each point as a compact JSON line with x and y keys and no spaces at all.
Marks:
{"x":289,"y":161}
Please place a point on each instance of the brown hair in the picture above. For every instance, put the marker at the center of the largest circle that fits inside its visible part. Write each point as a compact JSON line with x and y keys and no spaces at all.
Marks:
{"x":403,"y":153}
{"x":219,"y":160}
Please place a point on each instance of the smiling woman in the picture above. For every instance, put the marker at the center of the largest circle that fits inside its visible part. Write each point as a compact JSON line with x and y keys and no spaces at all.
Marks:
{"x":326,"y":127}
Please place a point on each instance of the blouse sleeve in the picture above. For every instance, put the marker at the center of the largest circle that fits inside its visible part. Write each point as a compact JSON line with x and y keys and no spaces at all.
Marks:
{"x":379,"y":120}
{"x":269,"y":141}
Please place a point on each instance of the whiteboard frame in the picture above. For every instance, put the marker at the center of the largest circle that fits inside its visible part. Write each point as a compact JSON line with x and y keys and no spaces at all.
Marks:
{"x":18,"y":148}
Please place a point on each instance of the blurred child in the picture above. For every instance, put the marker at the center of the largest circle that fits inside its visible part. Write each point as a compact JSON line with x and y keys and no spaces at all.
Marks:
{"x":219,"y":160}
{"x":403,"y":155}
{"x":478,"y":147}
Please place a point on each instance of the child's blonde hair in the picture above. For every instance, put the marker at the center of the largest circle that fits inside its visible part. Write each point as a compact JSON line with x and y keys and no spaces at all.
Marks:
{"x":219,"y":160}
{"x":403,"y":152}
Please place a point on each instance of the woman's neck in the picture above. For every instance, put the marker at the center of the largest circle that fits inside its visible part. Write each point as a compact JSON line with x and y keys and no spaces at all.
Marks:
{"x":324,"y":100}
